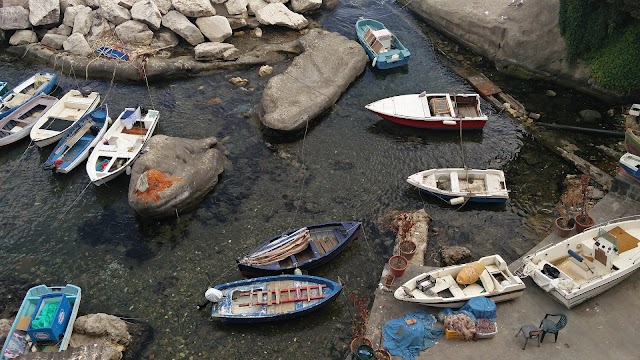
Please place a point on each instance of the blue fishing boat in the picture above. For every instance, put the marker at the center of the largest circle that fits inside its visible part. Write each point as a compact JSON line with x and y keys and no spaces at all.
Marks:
{"x":76,"y":145}
{"x":61,"y":301}
{"x":40,"y":83}
{"x":384,"y":49}
{"x":112,"y":53}
{"x":302,"y":248}
{"x":271,"y":298}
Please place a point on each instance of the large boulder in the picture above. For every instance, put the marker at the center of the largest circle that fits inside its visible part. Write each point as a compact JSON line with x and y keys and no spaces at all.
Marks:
{"x":211,"y":50}
{"x":83,"y":20}
{"x":215,"y":28}
{"x":70,"y":15}
{"x":301,"y":6}
{"x":14,"y":18}
{"x":23,"y":3}
{"x":236,"y":7}
{"x":64,"y":4}
{"x":53,"y":41}
{"x":174,"y":175}
{"x":147,"y":12}
{"x":101,"y":328}
{"x":110,"y":10}
{"x":164,"y":38}
{"x":23,"y":37}
{"x":179,"y":24}
{"x":77,"y":45}
{"x":279,"y":14}
{"x":163,"y":5}
{"x":44,"y":12}
{"x":194,"y":8}
{"x":134,"y":32}
{"x":454,"y":255}
{"x":100,"y":27}
{"x":255,"y":5}
{"x":329,"y":63}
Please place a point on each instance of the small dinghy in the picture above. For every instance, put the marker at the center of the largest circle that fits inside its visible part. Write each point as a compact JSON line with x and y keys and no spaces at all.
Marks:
{"x":30,"y":331}
{"x":40,"y":83}
{"x":459,"y":185}
{"x":630,"y":166}
{"x":384,"y":49}
{"x":452,"y":286}
{"x":303,"y":248}
{"x":52,"y":126}
{"x":18,"y":124}
{"x":432,"y":111}
{"x":121,"y":145}
{"x":271,"y":298}
{"x":632,"y":141}
{"x":75,"y":146}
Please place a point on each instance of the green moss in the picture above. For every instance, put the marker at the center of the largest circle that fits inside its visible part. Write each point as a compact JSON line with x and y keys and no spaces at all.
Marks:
{"x":617,"y":65}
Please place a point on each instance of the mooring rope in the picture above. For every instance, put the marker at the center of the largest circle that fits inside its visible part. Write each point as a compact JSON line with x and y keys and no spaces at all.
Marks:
{"x":73,"y":203}
{"x":146,"y":80}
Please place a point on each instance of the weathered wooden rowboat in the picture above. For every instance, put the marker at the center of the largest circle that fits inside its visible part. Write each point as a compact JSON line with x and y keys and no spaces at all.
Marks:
{"x":40,"y":83}
{"x":632,"y":141}
{"x":272,"y":298}
{"x":302,"y":248}
{"x":18,"y":124}
{"x":383,"y":48}
{"x":457,"y":185}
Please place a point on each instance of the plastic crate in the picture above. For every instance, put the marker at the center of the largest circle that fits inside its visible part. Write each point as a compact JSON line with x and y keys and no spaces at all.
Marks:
{"x":452,"y":335}
{"x":487,"y":335}
{"x":59,"y":322}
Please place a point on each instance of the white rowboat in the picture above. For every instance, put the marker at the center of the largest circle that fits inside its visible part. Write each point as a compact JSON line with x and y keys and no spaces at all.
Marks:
{"x":462,"y":184}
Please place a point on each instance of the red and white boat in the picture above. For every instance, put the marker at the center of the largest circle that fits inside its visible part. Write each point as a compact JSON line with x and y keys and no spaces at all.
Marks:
{"x":432,"y":111}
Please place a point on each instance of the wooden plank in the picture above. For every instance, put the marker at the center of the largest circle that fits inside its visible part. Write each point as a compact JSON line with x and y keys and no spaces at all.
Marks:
{"x":479,"y":81}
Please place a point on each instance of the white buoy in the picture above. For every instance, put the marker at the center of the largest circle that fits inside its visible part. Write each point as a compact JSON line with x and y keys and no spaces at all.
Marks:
{"x":128,"y":170}
{"x":449,"y":122}
{"x":213,"y":295}
{"x":456,"y":201}
{"x":373,"y":63}
{"x":297,"y":271}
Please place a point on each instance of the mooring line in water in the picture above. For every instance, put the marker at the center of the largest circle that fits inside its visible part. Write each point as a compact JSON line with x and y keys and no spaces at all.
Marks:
{"x":73,"y":203}
{"x":366,"y":240}
{"x":146,"y":80}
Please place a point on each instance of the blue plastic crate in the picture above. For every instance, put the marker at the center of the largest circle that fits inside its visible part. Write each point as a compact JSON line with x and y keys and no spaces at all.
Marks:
{"x":58,"y":323}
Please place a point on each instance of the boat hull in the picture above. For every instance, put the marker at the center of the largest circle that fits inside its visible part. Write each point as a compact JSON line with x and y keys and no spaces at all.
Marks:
{"x":46,"y":88}
{"x":632,"y":141}
{"x":435,"y":124}
{"x":496,"y":298}
{"x":475,"y":199}
{"x":393,"y":58}
{"x":25,"y":118}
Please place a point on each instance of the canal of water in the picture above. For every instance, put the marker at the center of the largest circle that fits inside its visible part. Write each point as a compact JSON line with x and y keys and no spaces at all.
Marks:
{"x":351,"y":165}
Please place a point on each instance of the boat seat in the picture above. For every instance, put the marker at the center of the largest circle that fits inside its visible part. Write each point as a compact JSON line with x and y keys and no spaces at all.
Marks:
{"x":455,"y":184}
{"x":76,"y":103}
{"x":16,"y":129}
{"x":454,"y":288}
{"x":440,"y":106}
{"x":492,"y":269}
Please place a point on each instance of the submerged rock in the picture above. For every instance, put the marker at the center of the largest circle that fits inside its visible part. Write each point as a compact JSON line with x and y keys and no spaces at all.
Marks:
{"x":454,"y":255}
{"x":174,"y":175}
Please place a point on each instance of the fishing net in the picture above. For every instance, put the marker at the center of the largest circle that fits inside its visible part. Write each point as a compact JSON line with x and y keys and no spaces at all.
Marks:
{"x":156,"y":181}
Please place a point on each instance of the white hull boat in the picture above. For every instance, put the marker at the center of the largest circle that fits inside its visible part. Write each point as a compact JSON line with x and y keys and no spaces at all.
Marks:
{"x":121,"y":146}
{"x":587,"y":264}
{"x":55,"y":123}
{"x":18,"y":124}
{"x":439,"y":288}
{"x":457,"y":185}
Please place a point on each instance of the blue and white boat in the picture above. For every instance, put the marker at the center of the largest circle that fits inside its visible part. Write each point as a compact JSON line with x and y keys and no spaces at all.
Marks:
{"x":630,"y":166}
{"x":384,"y":49}
{"x":42,"y":82}
{"x":76,"y":145}
{"x":271,"y":298}
{"x":17,"y":343}
{"x":459,"y":185}
{"x":18,"y":124}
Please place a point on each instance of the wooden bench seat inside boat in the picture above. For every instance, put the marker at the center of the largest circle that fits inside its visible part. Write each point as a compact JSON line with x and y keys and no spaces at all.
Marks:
{"x":77,"y":103}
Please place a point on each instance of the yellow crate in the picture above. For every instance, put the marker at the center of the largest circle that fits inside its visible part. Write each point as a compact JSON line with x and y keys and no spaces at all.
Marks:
{"x":452,"y":335}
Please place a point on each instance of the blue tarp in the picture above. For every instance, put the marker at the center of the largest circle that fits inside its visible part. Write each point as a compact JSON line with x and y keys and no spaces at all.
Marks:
{"x":407,"y":341}
{"x":476,"y":308}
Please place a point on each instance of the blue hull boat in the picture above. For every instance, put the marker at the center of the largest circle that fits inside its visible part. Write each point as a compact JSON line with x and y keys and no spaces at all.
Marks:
{"x":273,"y":298}
{"x":75,"y":146}
{"x":317,"y":245}
{"x":384,"y":49}
{"x":40,"y":83}
{"x":16,"y":343}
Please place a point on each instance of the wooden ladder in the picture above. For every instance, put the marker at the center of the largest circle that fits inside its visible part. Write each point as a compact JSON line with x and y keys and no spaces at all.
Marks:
{"x":274,"y":297}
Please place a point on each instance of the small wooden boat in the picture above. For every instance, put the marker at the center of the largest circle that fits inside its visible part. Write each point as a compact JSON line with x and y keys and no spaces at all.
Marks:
{"x":459,"y":185}
{"x":121,"y":146}
{"x":37,"y":297}
{"x":53,"y":124}
{"x":272,"y":298}
{"x":630,"y":166}
{"x":632,"y":141}
{"x":302,"y":248}
{"x":75,"y":146}
{"x":42,"y":82}
{"x":439,"y":287}
{"x":587,"y":264}
{"x":432,"y":111}
{"x":17,"y":125}
{"x":384,"y":49}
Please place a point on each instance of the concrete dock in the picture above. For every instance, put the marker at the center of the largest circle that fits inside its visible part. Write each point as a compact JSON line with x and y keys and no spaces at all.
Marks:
{"x":605,"y":326}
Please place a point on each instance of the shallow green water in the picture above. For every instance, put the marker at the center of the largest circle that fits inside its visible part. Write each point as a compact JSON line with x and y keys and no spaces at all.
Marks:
{"x":351,"y":165}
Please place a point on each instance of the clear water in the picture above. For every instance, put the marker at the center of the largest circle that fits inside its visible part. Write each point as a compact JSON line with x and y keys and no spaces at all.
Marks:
{"x":57,"y":229}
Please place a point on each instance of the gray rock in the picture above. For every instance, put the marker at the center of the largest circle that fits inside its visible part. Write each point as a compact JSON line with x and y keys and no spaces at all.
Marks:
{"x":211,"y":50}
{"x":217,"y":2}
{"x":288,"y":104}
{"x":590,"y":116}
{"x":3,"y":36}
{"x":94,"y":4}
{"x":53,"y":41}
{"x":83,"y":20}
{"x":14,"y":18}
{"x":179,"y":24}
{"x":70,"y":15}
{"x":596,"y":194}
{"x":454,"y":255}
{"x":255,"y":5}
{"x":235,"y":7}
{"x":44,"y":12}
{"x":108,"y":327}
{"x":196,"y":164}
{"x":5,"y":327}
{"x":221,"y":10}
{"x":147,"y":12}
{"x":127,"y":4}
{"x":231,"y":54}
{"x":61,"y":30}
{"x":77,"y":45}
{"x":100,"y":27}
{"x":215,"y":28}
{"x":164,"y":38}
{"x":194,"y":8}
{"x":110,"y":10}
{"x":279,"y":14}
{"x":64,"y":4}
{"x":550,"y":93}
{"x":302,"y":6}
{"x":277,"y":1}
{"x":22,"y":3}
{"x":236,"y":23}
{"x":134,"y":32}
{"x":163,"y":5}
{"x":329,"y":4}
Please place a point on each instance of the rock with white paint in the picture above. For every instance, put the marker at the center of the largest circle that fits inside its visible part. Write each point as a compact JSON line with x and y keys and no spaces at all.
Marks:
{"x":194,"y":8}
{"x":113,"y":12}
{"x":279,"y":14}
{"x":302,"y":6}
{"x":179,"y":24}
{"x":77,"y":45}
{"x":215,"y":28}
{"x":14,"y":18}
{"x":147,"y":12}
{"x":134,"y":32}
{"x":127,"y":4}
{"x":83,"y":20}
{"x":236,"y":7}
{"x":211,"y":50}
{"x":164,"y":38}
{"x":23,"y":37}
{"x":255,"y":5}
{"x":44,"y":12}
{"x":54,"y":41}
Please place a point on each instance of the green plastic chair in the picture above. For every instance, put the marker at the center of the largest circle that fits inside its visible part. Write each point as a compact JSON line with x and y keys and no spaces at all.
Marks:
{"x":549,"y":326}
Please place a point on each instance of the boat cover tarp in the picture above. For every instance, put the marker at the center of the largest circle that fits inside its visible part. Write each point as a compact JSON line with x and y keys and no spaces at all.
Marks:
{"x":476,"y":308}
{"x":407,"y":341}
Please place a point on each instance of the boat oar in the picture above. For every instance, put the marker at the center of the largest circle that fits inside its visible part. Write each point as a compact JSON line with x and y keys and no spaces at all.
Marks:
{"x":579,"y":258}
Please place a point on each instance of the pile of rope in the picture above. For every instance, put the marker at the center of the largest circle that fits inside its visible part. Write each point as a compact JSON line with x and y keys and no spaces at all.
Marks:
{"x":279,"y":249}
{"x":462,"y":324}
{"x":151,"y":183}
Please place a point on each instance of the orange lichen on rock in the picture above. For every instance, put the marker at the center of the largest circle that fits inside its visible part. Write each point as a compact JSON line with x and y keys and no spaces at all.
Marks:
{"x":157,"y":181}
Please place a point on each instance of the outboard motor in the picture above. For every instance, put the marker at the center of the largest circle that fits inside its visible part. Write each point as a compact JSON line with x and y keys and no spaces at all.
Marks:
{"x":85,"y":91}
{"x":143,"y":110}
{"x":95,"y":130}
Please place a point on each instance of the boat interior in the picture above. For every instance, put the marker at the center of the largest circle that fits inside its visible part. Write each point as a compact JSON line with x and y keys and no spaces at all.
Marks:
{"x":276,"y":297}
{"x":380,"y":41}
{"x":15,"y":99}
{"x":473,"y":183}
{"x":17,"y":124}
{"x":322,"y":241}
